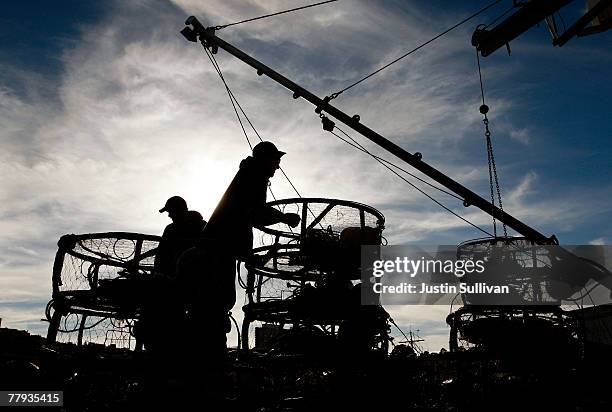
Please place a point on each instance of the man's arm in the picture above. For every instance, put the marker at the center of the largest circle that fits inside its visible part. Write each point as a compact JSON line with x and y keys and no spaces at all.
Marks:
{"x":261,"y":214}
{"x":268,"y":215}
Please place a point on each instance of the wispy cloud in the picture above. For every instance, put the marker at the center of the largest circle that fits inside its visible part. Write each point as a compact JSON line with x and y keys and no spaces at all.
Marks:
{"x":522,"y":135}
{"x":599,"y":241}
{"x":138,"y":114}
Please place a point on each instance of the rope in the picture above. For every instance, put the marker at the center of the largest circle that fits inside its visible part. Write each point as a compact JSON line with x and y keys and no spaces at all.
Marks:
{"x":336,"y":94}
{"x":235,"y":103}
{"x":233,"y":98}
{"x":411,"y":184}
{"x":273,"y":14}
{"x":493,"y":177}
{"x":384,"y":162}
{"x":218,"y":69}
{"x":400,"y":168}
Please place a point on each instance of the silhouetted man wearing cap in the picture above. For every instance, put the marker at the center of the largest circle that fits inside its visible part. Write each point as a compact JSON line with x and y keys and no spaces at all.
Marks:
{"x":243,"y":206}
{"x":228,"y":237}
{"x":244,"y":203}
{"x":164,"y":305}
{"x":164,"y":299}
{"x":178,"y":236}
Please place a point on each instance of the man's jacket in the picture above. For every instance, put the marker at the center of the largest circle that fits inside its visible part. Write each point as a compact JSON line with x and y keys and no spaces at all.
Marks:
{"x":242,"y":206}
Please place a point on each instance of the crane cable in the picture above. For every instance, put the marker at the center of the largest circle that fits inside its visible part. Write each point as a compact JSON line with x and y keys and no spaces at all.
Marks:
{"x":355,"y":144}
{"x":363,"y":149}
{"x":338,"y":93}
{"x":382,"y":159}
{"x":233,"y":98}
{"x":235,"y":103}
{"x":493,"y":178}
{"x":273,"y":14}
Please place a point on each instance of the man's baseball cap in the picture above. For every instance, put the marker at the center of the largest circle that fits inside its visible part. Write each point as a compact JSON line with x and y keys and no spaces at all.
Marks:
{"x":266,"y":150}
{"x":174,"y":203}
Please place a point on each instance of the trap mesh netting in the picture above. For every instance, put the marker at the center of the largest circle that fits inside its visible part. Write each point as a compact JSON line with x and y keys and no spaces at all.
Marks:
{"x":80,"y":328}
{"x":536,"y":274}
{"x":307,"y":276}
{"x":324,"y":214}
{"x":83,"y":260}
{"x":98,"y":282}
{"x":328,"y":240}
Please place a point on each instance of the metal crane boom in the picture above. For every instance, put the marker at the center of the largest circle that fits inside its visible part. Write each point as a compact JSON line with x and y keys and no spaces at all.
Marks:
{"x":208,"y":39}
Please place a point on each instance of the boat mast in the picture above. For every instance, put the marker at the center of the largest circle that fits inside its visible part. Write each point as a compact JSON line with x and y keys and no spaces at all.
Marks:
{"x":208,"y":39}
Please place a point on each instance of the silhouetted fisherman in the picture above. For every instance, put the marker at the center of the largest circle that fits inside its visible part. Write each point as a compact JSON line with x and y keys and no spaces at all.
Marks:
{"x":178,"y":236}
{"x":163,"y":321}
{"x":210,"y":268}
{"x":243,"y":204}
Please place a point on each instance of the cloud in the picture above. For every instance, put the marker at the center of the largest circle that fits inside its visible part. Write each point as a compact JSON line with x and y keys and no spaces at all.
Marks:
{"x":138,"y":114}
{"x":599,"y":241}
{"x":524,"y":188}
{"x":521,"y":135}
{"x":25,"y":315}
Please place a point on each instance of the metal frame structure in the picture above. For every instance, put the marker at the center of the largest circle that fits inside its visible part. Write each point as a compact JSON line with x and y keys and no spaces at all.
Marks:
{"x":86,"y":296}
{"x":196,"y":31}
{"x":486,"y":42}
{"x":528,"y":15}
{"x":290,"y":260}
{"x":495,"y":327}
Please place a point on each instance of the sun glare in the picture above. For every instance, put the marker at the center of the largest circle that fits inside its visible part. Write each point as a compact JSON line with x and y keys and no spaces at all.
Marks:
{"x":205,"y":182}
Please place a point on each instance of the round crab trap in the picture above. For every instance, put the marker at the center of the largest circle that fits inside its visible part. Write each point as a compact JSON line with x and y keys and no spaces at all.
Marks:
{"x":529,"y":320}
{"x":320,"y":214}
{"x":516,"y":331}
{"x":99,"y":280}
{"x":328,"y":239}
{"x":522,"y":265}
{"x":304,"y":280}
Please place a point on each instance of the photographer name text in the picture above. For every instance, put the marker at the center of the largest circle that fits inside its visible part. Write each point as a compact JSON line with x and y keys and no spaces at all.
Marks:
{"x":411,"y":288}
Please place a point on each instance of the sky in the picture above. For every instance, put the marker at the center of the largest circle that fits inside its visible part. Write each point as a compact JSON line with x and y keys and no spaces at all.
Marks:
{"x":106,"y":111}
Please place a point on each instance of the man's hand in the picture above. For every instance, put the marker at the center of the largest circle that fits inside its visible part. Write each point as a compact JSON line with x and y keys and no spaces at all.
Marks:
{"x":292,"y":219}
